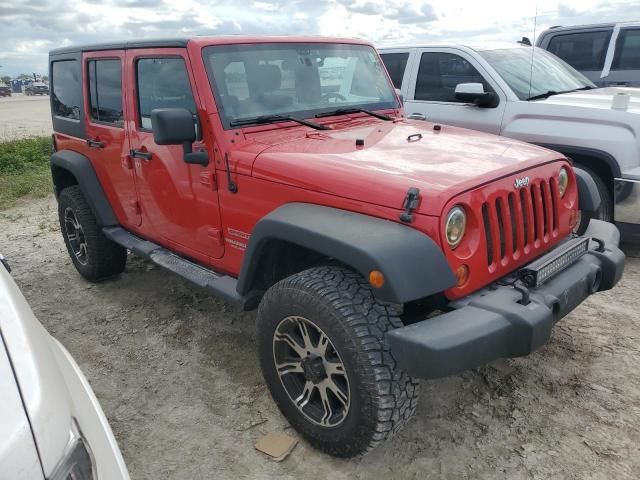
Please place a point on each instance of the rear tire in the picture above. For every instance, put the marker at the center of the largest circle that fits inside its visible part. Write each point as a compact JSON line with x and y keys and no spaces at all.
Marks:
{"x":605,"y":212}
{"x":344,"y":350}
{"x":94,"y":255}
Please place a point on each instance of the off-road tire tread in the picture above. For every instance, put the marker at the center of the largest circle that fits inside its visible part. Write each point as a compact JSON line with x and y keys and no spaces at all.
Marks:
{"x":366,"y":321}
{"x":106,"y":258}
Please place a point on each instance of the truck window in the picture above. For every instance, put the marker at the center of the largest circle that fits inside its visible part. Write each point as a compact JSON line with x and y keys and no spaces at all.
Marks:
{"x":395,"y":63}
{"x":67,"y":91}
{"x":627,"y":56}
{"x":162,"y":83}
{"x":439,"y":73}
{"x":583,"y":51}
{"x":105,"y":91}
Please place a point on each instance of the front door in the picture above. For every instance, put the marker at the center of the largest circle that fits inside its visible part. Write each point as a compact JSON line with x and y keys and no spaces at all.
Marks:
{"x":431,"y":94}
{"x":179,"y":201}
{"x":103,"y":73}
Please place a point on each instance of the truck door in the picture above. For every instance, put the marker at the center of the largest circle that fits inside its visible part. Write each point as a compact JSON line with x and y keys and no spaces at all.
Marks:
{"x":106,"y":138}
{"x":179,"y":201}
{"x":431,"y":91}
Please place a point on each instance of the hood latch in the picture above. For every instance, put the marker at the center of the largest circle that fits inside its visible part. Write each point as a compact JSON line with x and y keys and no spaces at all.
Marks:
{"x":410,"y":203}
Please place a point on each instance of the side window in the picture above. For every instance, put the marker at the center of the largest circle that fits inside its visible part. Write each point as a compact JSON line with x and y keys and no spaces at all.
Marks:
{"x":627,"y":56}
{"x":67,"y":91}
{"x":395,"y":63}
{"x":583,"y":51}
{"x":439,"y":73}
{"x":105,"y":91}
{"x":162,"y":83}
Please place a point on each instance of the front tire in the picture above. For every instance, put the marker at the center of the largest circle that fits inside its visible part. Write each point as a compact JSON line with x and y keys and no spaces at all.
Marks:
{"x":326,"y":361}
{"x":94,"y":255}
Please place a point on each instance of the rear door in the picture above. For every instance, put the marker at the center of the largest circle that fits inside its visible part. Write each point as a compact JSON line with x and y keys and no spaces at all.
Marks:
{"x":396,"y":61}
{"x":625,"y":67}
{"x":179,"y":201}
{"x":431,"y":90}
{"x":105,"y":132}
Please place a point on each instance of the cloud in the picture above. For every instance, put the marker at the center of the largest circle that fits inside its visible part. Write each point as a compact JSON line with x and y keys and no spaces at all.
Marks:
{"x":31,"y":28}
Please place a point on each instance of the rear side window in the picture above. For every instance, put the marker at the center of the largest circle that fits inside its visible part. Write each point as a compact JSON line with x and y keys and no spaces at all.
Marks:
{"x":627,"y":55}
{"x":162,"y":83}
{"x":105,"y":91}
{"x":440,"y":73}
{"x":395,"y":63}
{"x":583,"y":51}
{"x":67,"y":90}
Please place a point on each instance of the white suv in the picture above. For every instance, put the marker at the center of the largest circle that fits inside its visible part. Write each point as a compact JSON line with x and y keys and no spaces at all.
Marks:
{"x":529,"y":94}
{"x":51,"y":424}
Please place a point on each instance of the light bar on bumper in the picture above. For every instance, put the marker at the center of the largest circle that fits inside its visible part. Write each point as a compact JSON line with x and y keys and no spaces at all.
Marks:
{"x":544,"y":268}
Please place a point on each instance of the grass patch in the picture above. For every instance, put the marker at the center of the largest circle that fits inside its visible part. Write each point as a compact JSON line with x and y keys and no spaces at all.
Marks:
{"x":24,"y":170}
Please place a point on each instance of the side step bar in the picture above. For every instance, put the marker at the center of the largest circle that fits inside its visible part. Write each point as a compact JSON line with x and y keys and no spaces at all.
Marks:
{"x":219,"y":284}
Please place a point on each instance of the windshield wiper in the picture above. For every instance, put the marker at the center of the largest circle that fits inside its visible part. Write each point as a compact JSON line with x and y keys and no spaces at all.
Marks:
{"x":549,"y":93}
{"x":343,"y":111}
{"x":262,"y":119}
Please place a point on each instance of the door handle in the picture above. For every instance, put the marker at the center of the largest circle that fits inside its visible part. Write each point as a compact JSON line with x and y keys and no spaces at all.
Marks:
{"x":140,"y":154}
{"x":95,"y":143}
{"x":416,"y":116}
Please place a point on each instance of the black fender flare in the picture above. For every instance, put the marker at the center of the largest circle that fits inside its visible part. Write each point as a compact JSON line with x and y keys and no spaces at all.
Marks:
{"x":413,"y":264}
{"x":588,"y":193}
{"x":80,"y":167}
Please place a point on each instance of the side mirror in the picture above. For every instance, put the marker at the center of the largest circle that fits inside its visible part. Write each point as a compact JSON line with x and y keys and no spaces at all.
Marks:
{"x":474,"y":93}
{"x":400,"y":96}
{"x":175,"y":126}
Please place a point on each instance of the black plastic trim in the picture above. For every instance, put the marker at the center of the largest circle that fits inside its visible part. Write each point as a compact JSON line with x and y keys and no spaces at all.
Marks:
{"x":588,"y":193}
{"x":127,"y":45}
{"x":412,"y":263}
{"x":494,"y":323}
{"x":80,"y":167}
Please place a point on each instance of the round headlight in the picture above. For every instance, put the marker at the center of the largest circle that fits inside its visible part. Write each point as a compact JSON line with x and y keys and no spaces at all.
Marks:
{"x":455,"y":226}
{"x":563,"y":181}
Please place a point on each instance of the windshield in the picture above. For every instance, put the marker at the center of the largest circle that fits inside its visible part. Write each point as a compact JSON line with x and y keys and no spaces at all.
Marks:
{"x":549,"y":72}
{"x":301,"y":80}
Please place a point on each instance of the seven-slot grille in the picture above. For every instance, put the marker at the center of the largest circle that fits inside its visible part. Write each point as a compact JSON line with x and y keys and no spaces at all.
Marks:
{"x":520,"y":221}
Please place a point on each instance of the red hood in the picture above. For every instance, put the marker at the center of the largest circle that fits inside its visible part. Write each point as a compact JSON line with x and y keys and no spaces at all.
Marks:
{"x":441,"y":164}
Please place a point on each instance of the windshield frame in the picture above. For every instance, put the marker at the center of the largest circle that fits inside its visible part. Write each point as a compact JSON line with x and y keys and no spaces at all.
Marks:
{"x":302,"y":114}
{"x":537,"y":53}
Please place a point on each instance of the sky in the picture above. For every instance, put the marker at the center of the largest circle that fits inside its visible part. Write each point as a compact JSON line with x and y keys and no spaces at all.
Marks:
{"x":30,"y":28}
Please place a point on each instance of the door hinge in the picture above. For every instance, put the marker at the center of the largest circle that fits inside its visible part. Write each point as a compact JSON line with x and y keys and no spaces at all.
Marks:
{"x":215,"y":234}
{"x":208,"y":179}
{"x":127,"y":162}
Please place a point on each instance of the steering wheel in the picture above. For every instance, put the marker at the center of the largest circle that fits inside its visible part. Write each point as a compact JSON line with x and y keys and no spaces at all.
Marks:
{"x":336,"y":95}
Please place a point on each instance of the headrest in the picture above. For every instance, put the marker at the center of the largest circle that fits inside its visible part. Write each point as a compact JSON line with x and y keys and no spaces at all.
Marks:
{"x":270,"y":77}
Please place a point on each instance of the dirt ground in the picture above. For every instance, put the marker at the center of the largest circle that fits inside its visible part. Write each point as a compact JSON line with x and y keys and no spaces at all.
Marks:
{"x":177,"y":375}
{"x":24,"y":116}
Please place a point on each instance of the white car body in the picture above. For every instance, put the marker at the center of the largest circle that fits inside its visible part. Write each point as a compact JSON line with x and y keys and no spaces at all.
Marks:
{"x":46,"y":403}
{"x":582,"y":125}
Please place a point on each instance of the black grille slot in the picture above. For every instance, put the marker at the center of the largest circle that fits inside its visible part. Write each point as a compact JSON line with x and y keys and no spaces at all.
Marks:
{"x":525,"y":215}
{"x":487,"y":232}
{"x":532,"y":196}
{"x":501,"y":226}
{"x":542,"y":189}
{"x":514,"y":223}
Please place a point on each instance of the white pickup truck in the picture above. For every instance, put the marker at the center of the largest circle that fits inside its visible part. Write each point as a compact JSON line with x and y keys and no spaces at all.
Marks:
{"x":528,"y":94}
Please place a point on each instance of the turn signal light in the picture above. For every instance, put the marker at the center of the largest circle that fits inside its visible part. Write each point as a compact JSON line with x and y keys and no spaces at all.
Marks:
{"x":462,"y":275}
{"x":376,"y":279}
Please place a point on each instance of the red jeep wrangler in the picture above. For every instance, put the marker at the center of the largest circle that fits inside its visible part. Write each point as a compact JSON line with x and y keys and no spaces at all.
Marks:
{"x":281,"y":174}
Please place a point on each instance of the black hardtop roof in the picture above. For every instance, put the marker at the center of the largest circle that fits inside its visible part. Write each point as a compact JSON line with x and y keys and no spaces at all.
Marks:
{"x":126,"y":45}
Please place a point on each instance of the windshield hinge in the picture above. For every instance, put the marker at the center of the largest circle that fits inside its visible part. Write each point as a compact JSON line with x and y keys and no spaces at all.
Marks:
{"x":410,"y":204}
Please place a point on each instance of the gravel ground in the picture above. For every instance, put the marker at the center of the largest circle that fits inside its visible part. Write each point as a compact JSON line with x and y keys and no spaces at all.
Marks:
{"x":177,"y":375}
{"x":22,"y":116}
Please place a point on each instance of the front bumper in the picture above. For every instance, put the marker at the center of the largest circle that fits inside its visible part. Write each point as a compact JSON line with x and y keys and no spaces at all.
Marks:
{"x":492,"y":324}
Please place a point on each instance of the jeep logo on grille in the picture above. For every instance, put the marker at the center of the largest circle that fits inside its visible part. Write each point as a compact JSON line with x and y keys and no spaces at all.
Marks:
{"x":521,"y":182}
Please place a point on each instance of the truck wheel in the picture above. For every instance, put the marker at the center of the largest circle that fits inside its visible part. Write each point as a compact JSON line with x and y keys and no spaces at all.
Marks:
{"x":94,"y":255}
{"x":326,"y":361}
{"x":605,"y":212}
